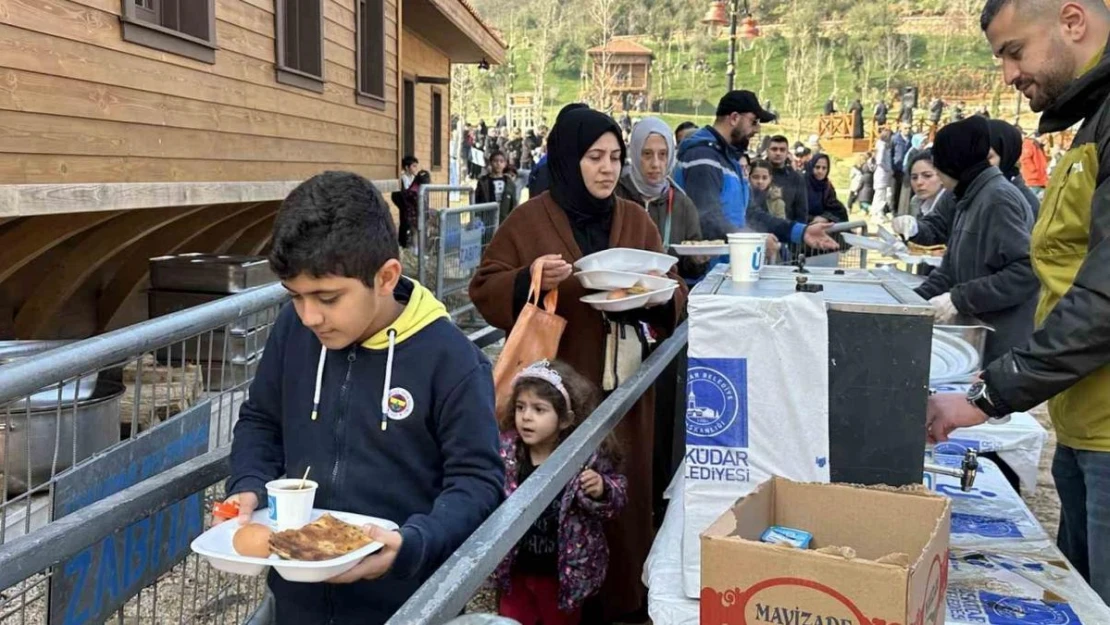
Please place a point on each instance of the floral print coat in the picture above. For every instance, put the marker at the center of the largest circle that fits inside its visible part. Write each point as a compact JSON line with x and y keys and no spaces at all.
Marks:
{"x":583,"y":551}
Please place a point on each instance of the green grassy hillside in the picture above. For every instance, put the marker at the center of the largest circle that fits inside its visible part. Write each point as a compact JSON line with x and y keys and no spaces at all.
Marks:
{"x":683,"y":92}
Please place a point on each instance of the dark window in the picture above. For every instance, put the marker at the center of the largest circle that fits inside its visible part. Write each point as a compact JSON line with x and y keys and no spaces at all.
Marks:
{"x":437,"y":129}
{"x":371,"y":52}
{"x":185,"y":27}
{"x":300,"y":43}
{"x":410,"y":118}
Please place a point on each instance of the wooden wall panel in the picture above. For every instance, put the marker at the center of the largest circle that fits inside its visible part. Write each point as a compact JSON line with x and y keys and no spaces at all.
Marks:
{"x":80,"y":104}
{"x":40,"y":169}
{"x":72,"y":271}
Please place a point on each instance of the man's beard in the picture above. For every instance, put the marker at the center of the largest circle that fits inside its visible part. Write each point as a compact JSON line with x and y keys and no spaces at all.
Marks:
{"x":737,"y":140}
{"x":1054,"y":81}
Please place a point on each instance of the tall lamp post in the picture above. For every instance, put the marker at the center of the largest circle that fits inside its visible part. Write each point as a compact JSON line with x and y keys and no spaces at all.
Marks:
{"x":719,"y":15}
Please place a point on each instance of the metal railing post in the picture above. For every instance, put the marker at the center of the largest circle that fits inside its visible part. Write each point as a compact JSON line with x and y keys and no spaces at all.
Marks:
{"x":421,"y":236}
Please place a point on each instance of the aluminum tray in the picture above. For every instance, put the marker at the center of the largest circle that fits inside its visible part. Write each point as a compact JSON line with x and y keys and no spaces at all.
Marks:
{"x":209,"y":273}
{"x":167,"y":302}
{"x":858,"y":291}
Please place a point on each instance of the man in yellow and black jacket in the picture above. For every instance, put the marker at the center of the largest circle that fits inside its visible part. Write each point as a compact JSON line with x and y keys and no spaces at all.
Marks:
{"x":1055,"y":53}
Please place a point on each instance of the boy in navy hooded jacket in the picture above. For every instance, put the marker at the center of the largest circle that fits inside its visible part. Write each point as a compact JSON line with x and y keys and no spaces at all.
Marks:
{"x":366,"y":380}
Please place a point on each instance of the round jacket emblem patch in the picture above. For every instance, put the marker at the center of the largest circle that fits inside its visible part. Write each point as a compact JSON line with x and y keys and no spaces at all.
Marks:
{"x":400,"y":404}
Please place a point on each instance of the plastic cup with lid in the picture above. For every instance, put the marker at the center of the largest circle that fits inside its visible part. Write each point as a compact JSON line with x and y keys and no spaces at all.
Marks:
{"x":746,"y":255}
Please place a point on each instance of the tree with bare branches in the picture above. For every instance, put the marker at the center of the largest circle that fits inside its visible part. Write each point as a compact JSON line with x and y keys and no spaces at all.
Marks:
{"x":601,"y":80}
{"x":549,"y":24}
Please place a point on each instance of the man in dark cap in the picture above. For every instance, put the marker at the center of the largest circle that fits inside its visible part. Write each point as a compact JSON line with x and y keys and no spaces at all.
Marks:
{"x":709,"y":171}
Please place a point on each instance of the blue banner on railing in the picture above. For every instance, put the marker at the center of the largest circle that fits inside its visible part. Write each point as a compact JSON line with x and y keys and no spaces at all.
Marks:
{"x":93,"y":584}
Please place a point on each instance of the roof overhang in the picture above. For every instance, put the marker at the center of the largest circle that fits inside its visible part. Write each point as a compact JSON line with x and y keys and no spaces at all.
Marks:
{"x":453,"y":27}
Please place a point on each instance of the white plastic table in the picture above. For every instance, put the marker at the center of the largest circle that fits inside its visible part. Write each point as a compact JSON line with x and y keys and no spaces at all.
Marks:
{"x":1004,"y":568}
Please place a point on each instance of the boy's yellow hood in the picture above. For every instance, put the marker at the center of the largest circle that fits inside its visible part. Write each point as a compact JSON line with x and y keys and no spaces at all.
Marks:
{"x":422,"y":309}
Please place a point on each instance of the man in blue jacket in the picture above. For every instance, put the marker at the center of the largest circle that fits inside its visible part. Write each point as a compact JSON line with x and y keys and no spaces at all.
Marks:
{"x":709,"y":172}
{"x":366,"y":380}
{"x":902,"y":142}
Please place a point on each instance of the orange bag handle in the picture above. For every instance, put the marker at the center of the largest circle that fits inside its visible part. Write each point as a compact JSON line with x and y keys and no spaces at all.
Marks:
{"x":551,"y":300}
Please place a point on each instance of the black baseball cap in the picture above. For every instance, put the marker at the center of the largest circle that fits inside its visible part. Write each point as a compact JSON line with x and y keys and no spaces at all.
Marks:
{"x":742,"y":101}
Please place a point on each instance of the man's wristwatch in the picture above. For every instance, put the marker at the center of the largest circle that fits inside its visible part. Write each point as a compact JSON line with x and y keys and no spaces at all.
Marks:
{"x":979,"y":396}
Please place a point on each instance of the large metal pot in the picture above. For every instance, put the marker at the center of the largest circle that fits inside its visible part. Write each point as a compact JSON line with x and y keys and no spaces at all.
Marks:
{"x":972,"y":330}
{"x":73,"y":390}
{"x":28,"y":436}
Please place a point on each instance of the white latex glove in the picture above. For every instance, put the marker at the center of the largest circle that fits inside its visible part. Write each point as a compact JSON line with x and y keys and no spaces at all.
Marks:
{"x":944,"y":311}
{"x":905,"y":225}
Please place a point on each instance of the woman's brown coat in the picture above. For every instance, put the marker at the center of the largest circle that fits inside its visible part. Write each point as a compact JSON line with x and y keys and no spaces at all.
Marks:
{"x":540,"y":227}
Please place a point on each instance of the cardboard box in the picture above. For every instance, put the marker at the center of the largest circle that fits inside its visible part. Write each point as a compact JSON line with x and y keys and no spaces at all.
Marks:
{"x":747,"y":582}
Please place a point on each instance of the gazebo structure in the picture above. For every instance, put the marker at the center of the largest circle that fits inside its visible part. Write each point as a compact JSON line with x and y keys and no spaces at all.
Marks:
{"x":625,"y":68}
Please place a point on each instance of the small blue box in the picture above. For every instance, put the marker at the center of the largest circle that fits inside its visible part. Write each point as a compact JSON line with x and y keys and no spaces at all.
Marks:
{"x":778,"y":535}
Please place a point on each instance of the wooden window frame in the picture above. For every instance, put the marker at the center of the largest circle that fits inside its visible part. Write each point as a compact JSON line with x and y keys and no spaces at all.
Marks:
{"x":363,"y":95}
{"x":140,"y":27}
{"x":436,"y":157}
{"x":408,"y":120}
{"x":292,"y":76}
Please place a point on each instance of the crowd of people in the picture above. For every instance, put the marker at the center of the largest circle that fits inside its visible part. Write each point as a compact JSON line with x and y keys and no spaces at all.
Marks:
{"x":424,"y":418}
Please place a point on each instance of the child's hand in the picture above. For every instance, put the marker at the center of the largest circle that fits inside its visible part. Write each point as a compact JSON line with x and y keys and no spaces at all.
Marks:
{"x":247,"y":503}
{"x":592,"y":483}
{"x":375,"y":565}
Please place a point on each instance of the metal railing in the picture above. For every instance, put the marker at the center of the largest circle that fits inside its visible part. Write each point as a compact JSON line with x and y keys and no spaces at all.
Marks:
{"x":462,"y":236}
{"x":153,"y":489}
{"x":118,"y":411}
{"x":446,"y":593}
{"x":432,"y":197}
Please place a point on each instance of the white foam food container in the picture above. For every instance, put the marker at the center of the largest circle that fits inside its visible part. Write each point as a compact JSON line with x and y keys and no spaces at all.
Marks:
{"x":701,"y":250}
{"x":661,"y":296}
{"x":215,"y":547}
{"x":612,"y":280}
{"x":601,"y":302}
{"x":626,"y":259}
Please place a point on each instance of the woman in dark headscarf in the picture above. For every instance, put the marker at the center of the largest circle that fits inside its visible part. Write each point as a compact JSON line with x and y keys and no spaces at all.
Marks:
{"x":986,"y":271}
{"x":581,"y":215}
{"x":821,"y":195}
{"x":1006,"y":144}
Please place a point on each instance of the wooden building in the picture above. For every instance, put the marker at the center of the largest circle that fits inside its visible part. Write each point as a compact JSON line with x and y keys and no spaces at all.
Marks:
{"x":135,"y":128}
{"x":624,"y":68}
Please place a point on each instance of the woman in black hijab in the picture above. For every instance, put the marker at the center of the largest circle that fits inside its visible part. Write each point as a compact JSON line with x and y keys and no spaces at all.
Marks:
{"x":585,"y":153}
{"x":986,"y":271}
{"x":580,"y":215}
{"x":820,"y":193}
{"x":1005,"y":153}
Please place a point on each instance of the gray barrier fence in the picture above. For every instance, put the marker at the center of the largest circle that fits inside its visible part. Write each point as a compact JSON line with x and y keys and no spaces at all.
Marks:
{"x":461,"y":237}
{"x":109,"y":537}
{"x":433,"y":197}
{"x":82,"y":424}
{"x":847,"y":257}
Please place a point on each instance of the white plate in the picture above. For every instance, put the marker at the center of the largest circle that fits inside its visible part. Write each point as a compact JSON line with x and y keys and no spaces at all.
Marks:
{"x":626,"y":259}
{"x":613,"y":280}
{"x":867,"y":243}
{"x":607,"y":280}
{"x":600,"y":302}
{"x":215,"y":546}
{"x":700,"y":250}
{"x":913,"y":259}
